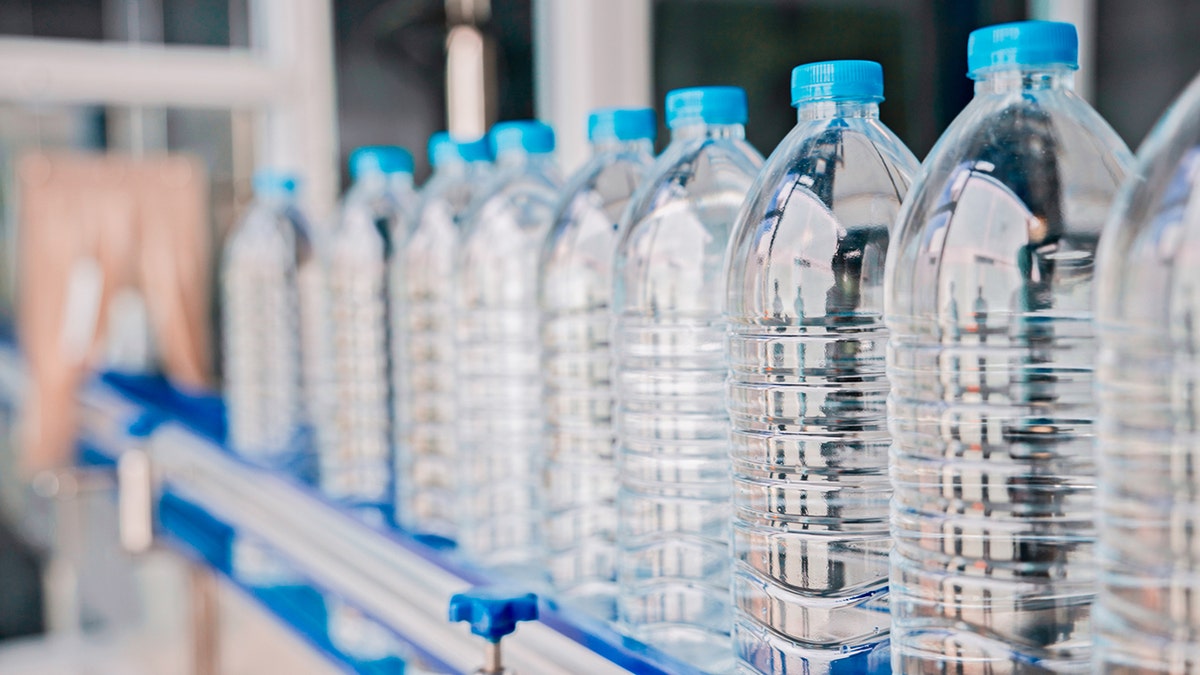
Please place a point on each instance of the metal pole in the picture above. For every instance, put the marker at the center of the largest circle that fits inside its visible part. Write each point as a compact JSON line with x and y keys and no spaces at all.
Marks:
{"x":205,"y":620}
{"x":493,"y":664}
{"x":470,"y":69}
{"x":1082,"y":13}
{"x":588,"y":54}
{"x":299,"y":131}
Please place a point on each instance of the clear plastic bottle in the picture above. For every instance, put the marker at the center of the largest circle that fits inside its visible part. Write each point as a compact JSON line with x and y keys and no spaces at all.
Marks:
{"x":264,"y":266}
{"x":807,"y":389}
{"x":499,"y":375}
{"x":988,"y":304}
{"x":261,"y":267}
{"x":1147,"y":289}
{"x":424,"y":273}
{"x":377,"y":210}
{"x":575,"y":291}
{"x":669,"y":369}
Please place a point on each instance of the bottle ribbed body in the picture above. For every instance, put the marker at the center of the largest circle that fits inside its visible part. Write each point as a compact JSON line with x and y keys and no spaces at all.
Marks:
{"x":425,"y":273}
{"x":498,"y":368}
{"x":672,"y":429}
{"x":356,"y":468}
{"x":575,"y":290}
{"x":1147,"y":614}
{"x":989,"y":292}
{"x":262,"y":264}
{"x":807,"y":399}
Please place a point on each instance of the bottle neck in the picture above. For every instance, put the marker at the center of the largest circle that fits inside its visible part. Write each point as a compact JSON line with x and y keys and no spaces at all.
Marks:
{"x":830,"y":109}
{"x":451,"y":167}
{"x":275,"y":199}
{"x":377,"y":182}
{"x":1025,"y":78}
{"x":617,"y":146}
{"x":516,"y":159}
{"x":688,"y":129}
{"x":400,"y":181}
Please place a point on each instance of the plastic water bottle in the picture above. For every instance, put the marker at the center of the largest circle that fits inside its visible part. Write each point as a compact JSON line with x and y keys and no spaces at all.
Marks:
{"x":265,"y":394}
{"x":989,"y":308}
{"x":499,"y":376}
{"x":260,"y":271}
{"x":1148,"y":282}
{"x":376,"y":211}
{"x":424,"y":272}
{"x":669,"y":364}
{"x":807,"y":389}
{"x":575,"y":289}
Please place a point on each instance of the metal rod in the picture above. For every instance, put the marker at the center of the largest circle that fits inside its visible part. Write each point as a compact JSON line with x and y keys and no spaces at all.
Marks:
{"x":73,"y":71}
{"x":205,"y":618}
{"x":493,"y":664}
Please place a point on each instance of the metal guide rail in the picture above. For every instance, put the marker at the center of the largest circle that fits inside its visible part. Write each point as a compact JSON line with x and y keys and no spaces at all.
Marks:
{"x":180,"y":486}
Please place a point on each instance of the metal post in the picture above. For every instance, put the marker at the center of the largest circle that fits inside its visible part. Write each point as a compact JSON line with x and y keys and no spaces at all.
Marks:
{"x":588,"y":54}
{"x":299,"y":132}
{"x":137,"y":129}
{"x":1082,"y":13}
{"x":470,"y":69}
{"x":135,"y":501}
{"x":205,"y":620}
{"x":493,"y":664}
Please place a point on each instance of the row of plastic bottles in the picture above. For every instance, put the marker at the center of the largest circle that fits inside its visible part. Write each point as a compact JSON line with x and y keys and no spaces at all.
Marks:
{"x":834,"y":413}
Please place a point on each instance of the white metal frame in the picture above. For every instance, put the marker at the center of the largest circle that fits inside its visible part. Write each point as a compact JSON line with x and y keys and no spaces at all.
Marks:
{"x":286,"y":78}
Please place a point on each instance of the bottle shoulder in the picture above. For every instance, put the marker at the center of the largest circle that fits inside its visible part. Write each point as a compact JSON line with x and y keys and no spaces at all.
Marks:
{"x":1154,"y":229}
{"x":1046,"y":154}
{"x":596,"y":196}
{"x":811,"y":239}
{"x":518,"y":205}
{"x":856,"y":169}
{"x":695,"y":175}
{"x":1006,"y":215}
{"x":1022,"y":139}
{"x":272,"y":227}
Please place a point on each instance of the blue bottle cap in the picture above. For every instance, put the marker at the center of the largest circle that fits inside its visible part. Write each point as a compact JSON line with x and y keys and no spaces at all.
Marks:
{"x":273,"y":181}
{"x":1024,"y":43}
{"x":529,"y":136}
{"x":834,"y":80}
{"x":444,"y":148}
{"x":493,"y":612}
{"x":711,"y":105}
{"x":622,"y":124}
{"x":385,"y":159}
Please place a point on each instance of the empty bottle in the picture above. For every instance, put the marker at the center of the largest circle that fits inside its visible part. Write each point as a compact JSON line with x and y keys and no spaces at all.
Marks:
{"x":669,"y":368}
{"x":807,"y":390}
{"x":499,"y":377}
{"x":261,"y":270}
{"x":575,"y":290}
{"x":424,"y":273}
{"x":988,"y":304}
{"x":1148,"y":283}
{"x":356,"y":466}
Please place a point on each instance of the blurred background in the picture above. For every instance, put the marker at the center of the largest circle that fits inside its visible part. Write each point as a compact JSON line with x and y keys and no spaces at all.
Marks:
{"x":235,"y":85}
